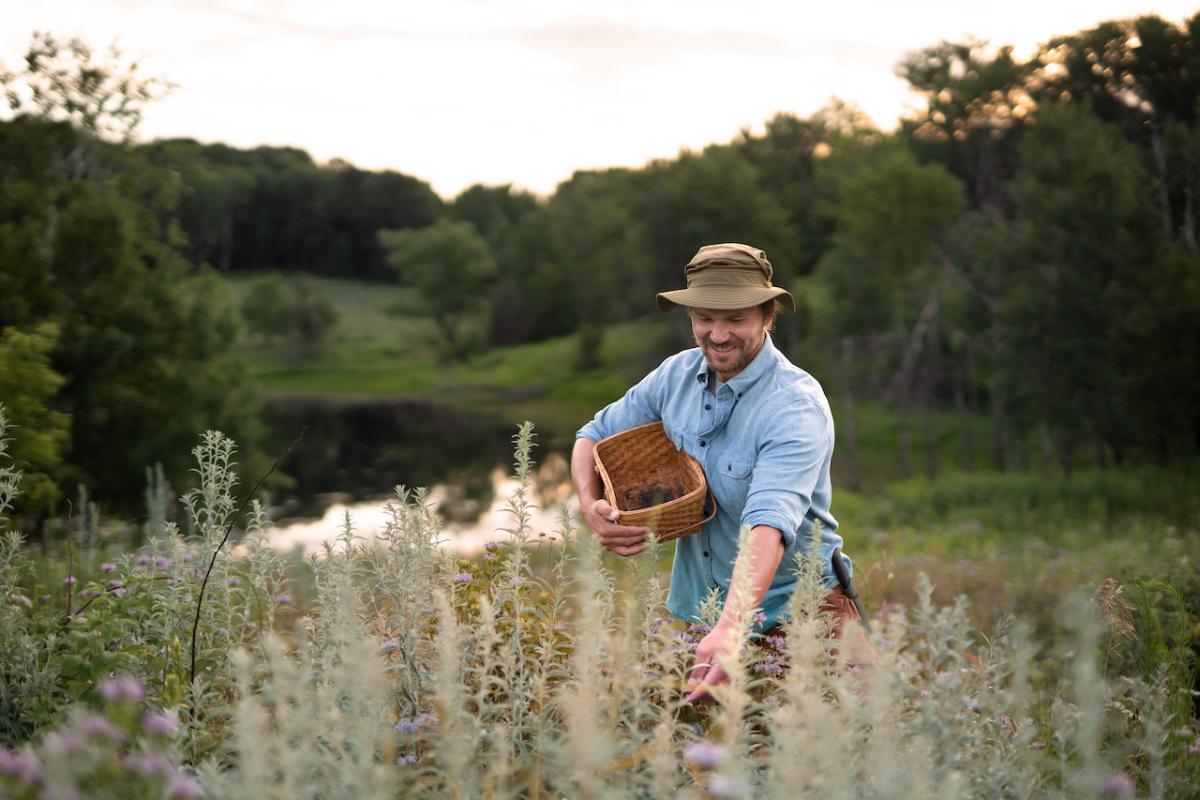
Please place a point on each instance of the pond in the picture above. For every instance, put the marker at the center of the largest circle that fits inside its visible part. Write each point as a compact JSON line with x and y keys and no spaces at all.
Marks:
{"x":353,"y":455}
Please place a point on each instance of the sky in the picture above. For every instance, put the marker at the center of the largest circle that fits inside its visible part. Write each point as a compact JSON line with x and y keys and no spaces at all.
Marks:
{"x":526,"y":92}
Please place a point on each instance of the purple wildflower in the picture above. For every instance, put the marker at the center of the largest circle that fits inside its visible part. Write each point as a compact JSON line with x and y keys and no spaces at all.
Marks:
{"x":704,"y":755}
{"x":769,"y":668}
{"x":69,"y":580}
{"x":407,"y":727}
{"x":62,"y":742}
{"x":462,"y":577}
{"x":162,"y":562}
{"x":489,"y":557}
{"x":101,"y":726}
{"x":116,"y":583}
{"x":283,"y":599}
{"x":149,"y":766}
{"x":728,"y":786}
{"x":1194,"y":750}
{"x":389,"y":645}
{"x":1118,"y":785}
{"x":170,"y":581}
{"x":234,"y":581}
{"x":108,"y":567}
{"x":490,"y":546}
{"x":122,"y":688}
{"x":187,"y":557}
{"x":160,"y":723}
{"x":22,"y":766}
{"x":184,"y":786}
{"x":426,"y":719}
{"x":406,"y":760}
{"x":142,"y":559}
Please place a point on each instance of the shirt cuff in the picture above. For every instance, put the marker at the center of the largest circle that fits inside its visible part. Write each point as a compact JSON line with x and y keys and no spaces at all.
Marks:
{"x":777,"y":521}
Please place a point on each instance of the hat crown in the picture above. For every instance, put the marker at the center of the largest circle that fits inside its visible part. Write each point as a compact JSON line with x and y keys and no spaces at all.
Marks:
{"x":728,"y":264}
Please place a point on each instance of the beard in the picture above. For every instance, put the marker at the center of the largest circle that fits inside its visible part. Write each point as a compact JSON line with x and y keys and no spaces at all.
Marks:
{"x":729,"y":358}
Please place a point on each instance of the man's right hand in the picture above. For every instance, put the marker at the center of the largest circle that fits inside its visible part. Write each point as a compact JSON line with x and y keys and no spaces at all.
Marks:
{"x":624,"y":540}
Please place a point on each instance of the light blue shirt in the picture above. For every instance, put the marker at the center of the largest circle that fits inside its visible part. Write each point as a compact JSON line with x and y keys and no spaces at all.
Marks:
{"x":765,"y":440}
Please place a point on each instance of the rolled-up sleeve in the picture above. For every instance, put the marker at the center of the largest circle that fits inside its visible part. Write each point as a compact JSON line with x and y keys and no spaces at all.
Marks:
{"x":640,"y":405}
{"x":788,"y":468}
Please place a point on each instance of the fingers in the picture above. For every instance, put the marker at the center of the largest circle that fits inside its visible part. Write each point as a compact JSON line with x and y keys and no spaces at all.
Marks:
{"x":624,"y":540}
{"x":714,"y":675}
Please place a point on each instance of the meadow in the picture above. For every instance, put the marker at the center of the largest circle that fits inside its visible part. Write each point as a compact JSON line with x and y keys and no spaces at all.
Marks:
{"x":1049,"y":658}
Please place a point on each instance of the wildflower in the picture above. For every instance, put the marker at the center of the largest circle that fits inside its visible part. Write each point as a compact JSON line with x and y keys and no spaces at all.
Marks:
{"x":728,"y":786}
{"x":187,"y":557}
{"x":1005,"y":721}
{"x":1118,"y":785}
{"x":160,"y":723}
{"x":122,"y":688}
{"x":426,"y":719}
{"x":142,"y":559}
{"x":489,"y":557}
{"x":758,"y":618}
{"x":704,"y":755}
{"x":234,"y":581}
{"x":389,"y":645}
{"x":149,"y":766}
{"x":101,"y":726}
{"x":184,"y":786}
{"x":69,"y":580}
{"x":108,"y":567}
{"x":283,"y":599}
{"x":162,"y":562}
{"x":406,"y":760}
{"x":769,"y":668}
{"x":971,"y":705}
{"x":170,"y":581}
{"x":490,"y":546}
{"x":62,"y":742}
{"x":462,"y":577}
{"x":1194,"y":750}
{"x":407,"y":727}
{"x":116,"y":583}
{"x":22,"y":766}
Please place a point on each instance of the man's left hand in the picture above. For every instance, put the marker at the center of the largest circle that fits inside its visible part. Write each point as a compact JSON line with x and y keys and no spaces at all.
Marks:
{"x":709,"y":670}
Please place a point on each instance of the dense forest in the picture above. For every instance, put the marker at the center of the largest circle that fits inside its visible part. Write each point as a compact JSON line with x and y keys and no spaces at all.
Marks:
{"x":1024,"y":250}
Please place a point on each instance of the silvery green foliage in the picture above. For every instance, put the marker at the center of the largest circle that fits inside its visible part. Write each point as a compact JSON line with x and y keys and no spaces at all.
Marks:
{"x":522,"y":679}
{"x":21,"y":680}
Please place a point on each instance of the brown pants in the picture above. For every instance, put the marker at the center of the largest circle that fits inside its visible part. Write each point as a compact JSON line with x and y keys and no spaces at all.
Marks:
{"x":859,"y":652}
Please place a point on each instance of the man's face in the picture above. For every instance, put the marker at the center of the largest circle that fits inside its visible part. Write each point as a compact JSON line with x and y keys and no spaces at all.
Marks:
{"x":729,"y":339}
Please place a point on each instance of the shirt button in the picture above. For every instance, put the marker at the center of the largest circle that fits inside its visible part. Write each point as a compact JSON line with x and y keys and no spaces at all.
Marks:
{"x":703,"y":443}
{"x":706,"y":554}
{"x":700,"y":378}
{"x":708,"y":406}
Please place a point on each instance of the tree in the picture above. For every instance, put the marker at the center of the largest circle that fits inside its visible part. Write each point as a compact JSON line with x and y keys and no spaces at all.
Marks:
{"x":450,"y":264}
{"x":146,"y":345}
{"x":28,"y":386}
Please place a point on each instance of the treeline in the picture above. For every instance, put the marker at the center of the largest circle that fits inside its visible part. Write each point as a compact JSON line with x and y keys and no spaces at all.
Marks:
{"x":1024,"y":249}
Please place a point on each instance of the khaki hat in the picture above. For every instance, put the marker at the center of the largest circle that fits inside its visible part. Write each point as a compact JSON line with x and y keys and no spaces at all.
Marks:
{"x":727,"y":276}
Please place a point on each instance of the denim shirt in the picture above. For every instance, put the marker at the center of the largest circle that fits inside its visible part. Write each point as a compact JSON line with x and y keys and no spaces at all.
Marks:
{"x":765,"y":440}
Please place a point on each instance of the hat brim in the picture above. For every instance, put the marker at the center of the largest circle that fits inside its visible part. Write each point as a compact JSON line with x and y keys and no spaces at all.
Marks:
{"x":725,"y":298}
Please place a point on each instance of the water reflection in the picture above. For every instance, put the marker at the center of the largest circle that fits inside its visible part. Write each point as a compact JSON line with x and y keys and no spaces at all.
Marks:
{"x":551,"y":487}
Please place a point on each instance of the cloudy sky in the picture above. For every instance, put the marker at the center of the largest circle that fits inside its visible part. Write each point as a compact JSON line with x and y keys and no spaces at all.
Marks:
{"x":525,"y":91}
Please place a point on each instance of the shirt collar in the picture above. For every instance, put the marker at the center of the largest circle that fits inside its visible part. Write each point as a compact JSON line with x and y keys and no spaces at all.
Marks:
{"x":763,"y":360}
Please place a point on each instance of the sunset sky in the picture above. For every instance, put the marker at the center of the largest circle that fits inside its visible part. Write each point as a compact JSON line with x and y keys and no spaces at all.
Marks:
{"x":463,"y":91}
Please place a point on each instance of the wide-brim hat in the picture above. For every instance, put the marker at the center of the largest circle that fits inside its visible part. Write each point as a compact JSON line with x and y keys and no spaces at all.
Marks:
{"x":727,"y":276}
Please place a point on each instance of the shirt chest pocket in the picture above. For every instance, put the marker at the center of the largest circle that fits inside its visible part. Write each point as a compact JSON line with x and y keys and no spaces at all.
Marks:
{"x":730,"y":482}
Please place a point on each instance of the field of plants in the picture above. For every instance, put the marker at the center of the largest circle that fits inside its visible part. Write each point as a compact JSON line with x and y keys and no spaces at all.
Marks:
{"x":1038,"y":640}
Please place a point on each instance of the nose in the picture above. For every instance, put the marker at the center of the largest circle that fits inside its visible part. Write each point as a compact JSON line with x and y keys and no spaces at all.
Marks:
{"x":719,"y":335}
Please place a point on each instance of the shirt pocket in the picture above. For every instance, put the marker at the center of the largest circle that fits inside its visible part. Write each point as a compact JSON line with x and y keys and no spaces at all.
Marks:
{"x":730,"y":482}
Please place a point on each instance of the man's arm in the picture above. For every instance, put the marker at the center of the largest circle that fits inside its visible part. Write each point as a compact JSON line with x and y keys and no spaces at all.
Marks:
{"x":765,"y":552}
{"x":624,"y":540}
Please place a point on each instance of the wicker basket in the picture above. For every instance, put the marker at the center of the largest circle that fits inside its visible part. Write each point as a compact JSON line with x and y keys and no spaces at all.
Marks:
{"x":651,"y":483}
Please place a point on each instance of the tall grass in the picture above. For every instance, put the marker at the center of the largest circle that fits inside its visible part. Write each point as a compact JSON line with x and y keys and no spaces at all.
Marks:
{"x":411,"y":674}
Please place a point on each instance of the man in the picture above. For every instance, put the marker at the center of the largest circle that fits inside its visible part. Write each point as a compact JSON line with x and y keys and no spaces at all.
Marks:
{"x":763,"y":432}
